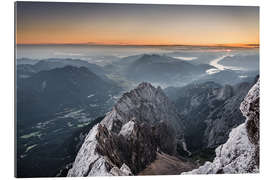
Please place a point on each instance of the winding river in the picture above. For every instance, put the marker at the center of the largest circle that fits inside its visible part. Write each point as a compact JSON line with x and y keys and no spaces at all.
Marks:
{"x":220,"y":67}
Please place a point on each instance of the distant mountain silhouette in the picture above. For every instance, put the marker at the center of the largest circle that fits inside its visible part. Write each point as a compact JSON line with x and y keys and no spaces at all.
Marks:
{"x":52,"y":90}
{"x":51,"y":63}
{"x":160,"y":69}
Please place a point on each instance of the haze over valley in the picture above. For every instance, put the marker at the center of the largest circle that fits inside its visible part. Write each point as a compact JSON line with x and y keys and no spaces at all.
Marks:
{"x":59,"y":96}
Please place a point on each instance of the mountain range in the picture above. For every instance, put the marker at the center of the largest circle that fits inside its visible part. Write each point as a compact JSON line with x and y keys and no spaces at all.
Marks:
{"x":51,"y":106}
{"x":61,"y":88}
{"x":52,"y":63}
{"x":80,"y":119}
{"x":142,"y":134}
{"x":159,"y":69}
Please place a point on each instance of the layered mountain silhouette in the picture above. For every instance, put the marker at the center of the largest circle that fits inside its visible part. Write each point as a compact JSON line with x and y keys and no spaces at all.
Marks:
{"x":71,"y":121}
{"x":159,"y":69}
{"x":250,"y":62}
{"x":61,"y":88}
{"x":51,"y":106}
{"x":52,"y":63}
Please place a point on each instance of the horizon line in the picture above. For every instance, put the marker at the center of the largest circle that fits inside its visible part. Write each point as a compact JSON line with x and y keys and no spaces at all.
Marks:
{"x":251,"y":45}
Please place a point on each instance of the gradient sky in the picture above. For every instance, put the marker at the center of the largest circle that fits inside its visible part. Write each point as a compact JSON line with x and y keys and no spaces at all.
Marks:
{"x":60,"y":23}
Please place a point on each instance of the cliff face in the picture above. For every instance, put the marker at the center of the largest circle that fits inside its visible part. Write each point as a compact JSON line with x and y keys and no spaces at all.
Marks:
{"x":142,"y":123}
{"x":210,"y":111}
{"x":225,"y":117}
{"x":144,"y":104}
{"x":240,"y":154}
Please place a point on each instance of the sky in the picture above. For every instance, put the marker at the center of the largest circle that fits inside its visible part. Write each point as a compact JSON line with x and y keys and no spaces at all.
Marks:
{"x":135,"y":24}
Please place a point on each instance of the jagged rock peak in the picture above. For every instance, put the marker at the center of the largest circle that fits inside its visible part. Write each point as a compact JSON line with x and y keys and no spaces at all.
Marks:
{"x":144,"y":90}
{"x":145,"y":85}
{"x":127,"y":139}
{"x":240,"y":154}
{"x":145,"y":103}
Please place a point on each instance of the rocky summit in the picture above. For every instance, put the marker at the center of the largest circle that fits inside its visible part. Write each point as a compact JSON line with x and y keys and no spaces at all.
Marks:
{"x":142,"y":124}
{"x":240,"y":154}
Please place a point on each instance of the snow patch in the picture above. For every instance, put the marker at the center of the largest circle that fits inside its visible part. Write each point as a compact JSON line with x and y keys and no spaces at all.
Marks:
{"x":91,"y":95}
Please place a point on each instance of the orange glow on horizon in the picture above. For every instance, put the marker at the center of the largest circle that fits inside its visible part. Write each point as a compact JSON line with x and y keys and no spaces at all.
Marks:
{"x":107,"y":24}
{"x":55,"y":37}
{"x":248,"y":45}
